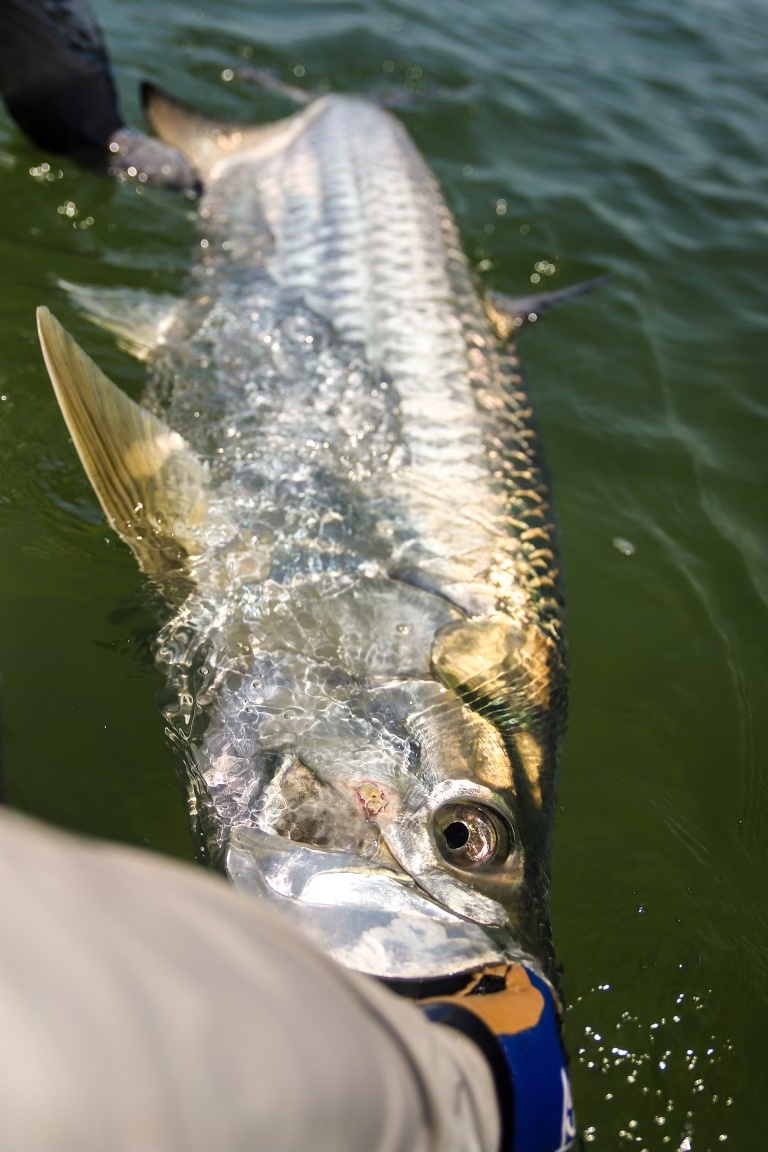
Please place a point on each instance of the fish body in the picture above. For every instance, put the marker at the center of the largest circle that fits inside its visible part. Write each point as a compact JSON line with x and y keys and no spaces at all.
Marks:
{"x":365,"y":655}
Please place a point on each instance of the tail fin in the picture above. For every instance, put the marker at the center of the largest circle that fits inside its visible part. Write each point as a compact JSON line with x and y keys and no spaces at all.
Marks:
{"x":203,"y":140}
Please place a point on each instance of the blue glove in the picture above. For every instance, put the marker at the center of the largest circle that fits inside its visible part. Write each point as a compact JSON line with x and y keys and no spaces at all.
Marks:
{"x":511,"y":1012}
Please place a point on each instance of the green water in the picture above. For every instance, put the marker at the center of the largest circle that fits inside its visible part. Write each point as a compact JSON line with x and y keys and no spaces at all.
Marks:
{"x":625,"y":136}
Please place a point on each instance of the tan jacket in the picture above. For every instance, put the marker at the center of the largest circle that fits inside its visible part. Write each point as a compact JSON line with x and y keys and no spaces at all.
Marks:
{"x":146,"y":1007}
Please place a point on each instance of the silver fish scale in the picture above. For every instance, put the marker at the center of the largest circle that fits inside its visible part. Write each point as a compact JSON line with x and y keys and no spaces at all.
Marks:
{"x":293,"y":421}
{"x":346,"y":218}
{"x":375,"y":481}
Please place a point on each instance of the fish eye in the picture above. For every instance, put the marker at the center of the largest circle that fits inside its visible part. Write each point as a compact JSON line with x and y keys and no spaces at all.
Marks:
{"x":469,"y":836}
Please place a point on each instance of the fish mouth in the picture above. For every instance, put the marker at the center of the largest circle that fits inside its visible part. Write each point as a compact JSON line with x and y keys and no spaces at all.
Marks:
{"x":365,"y":915}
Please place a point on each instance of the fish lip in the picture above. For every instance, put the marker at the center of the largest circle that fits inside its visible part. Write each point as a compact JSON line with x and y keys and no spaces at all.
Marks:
{"x":365,"y":915}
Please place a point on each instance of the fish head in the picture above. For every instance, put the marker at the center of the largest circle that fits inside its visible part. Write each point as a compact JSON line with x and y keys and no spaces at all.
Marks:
{"x":404,"y":820}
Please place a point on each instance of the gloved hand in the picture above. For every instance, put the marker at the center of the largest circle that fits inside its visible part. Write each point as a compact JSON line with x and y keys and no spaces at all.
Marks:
{"x":512,"y":1013}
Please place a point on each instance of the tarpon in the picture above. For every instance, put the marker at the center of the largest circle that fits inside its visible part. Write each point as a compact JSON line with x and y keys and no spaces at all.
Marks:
{"x":336,"y":482}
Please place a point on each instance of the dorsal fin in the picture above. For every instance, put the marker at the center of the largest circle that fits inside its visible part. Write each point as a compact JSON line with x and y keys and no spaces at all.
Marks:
{"x":149,"y":482}
{"x":203,"y":140}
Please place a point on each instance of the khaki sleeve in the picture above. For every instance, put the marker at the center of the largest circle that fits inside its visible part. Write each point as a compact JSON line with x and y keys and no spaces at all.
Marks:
{"x":147,"y":1007}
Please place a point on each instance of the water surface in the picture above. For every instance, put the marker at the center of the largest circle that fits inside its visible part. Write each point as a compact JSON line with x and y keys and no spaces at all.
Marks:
{"x":627,"y":136}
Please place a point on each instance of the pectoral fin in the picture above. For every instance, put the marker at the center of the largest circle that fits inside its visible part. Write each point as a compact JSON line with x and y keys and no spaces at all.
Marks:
{"x":148,"y":480}
{"x":138,"y":320}
{"x":508,"y":313}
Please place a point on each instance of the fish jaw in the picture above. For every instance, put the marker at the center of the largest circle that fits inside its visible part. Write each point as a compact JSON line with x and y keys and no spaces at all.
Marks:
{"x":368,"y":917}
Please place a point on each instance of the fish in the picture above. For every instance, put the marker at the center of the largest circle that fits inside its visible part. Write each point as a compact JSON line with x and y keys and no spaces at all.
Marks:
{"x":335,"y":482}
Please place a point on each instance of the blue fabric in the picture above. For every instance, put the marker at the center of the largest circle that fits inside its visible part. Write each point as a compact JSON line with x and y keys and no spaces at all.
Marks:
{"x":543,"y":1118}
{"x":531,"y":1080}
